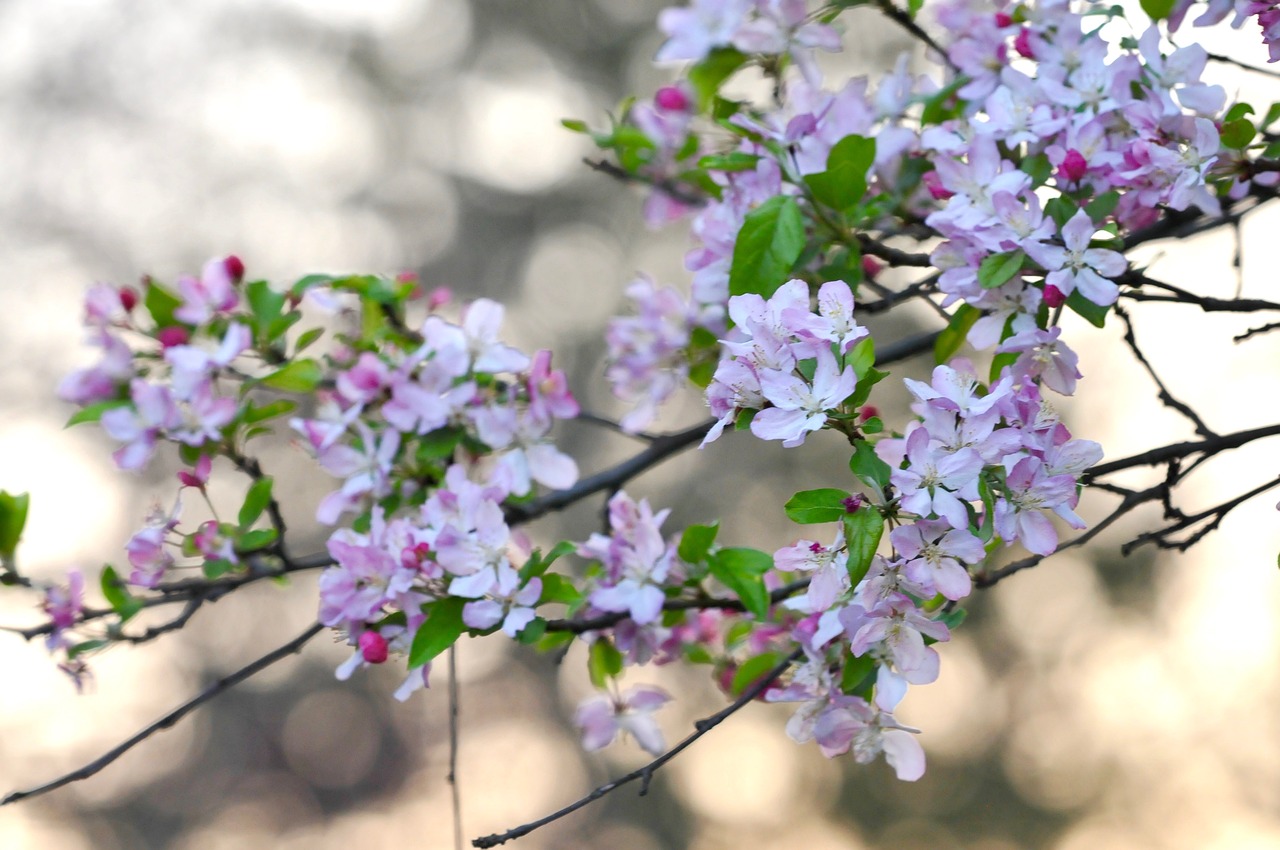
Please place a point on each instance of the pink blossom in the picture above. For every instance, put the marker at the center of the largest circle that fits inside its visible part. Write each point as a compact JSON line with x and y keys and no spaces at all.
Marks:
{"x":602,"y":718}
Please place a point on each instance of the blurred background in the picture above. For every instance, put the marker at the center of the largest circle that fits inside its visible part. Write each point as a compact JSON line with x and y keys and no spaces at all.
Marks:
{"x":1095,"y":702}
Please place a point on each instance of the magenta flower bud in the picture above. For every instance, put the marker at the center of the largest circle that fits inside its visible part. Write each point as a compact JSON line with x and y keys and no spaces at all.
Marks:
{"x":871,"y":266}
{"x":671,"y":99}
{"x":128,"y":298}
{"x":172,"y":335}
{"x":1053,"y":296}
{"x":853,"y":503}
{"x":1073,"y":166}
{"x":1003,"y":19}
{"x":373,"y":647}
{"x":867,"y":412}
{"x":235,"y":268}
{"x":933,"y":183}
{"x":1022,"y":43}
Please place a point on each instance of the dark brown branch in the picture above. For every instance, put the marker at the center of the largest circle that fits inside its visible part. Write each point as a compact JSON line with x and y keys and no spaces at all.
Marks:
{"x":1163,"y":538}
{"x":218,"y":687}
{"x":1177,"y":451}
{"x":684,"y":195}
{"x":1267,"y":328}
{"x":904,"y":20}
{"x":1266,"y":72}
{"x":645,"y":773}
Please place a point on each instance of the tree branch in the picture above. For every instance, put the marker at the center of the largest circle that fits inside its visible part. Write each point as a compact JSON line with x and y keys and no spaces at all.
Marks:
{"x":645,"y":773}
{"x":1165,"y":396}
{"x":1177,"y":451}
{"x":218,"y":687}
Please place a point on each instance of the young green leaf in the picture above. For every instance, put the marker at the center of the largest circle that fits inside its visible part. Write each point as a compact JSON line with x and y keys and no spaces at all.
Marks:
{"x":604,"y":662}
{"x":255,"y":502}
{"x":741,"y":571}
{"x":13,"y":519}
{"x":868,"y":467}
{"x":811,"y":506}
{"x":844,"y":183}
{"x":999,"y":269}
{"x":752,"y":670}
{"x":300,"y":376}
{"x":862,"y":531}
{"x":443,"y":626}
{"x":953,"y":335}
{"x":696,"y":542}
{"x":768,"y":245}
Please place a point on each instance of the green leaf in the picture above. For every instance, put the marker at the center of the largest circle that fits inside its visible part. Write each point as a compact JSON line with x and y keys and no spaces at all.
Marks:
{"x":604,"y":662}
{"x":741,"y":571}
{"x":216,"y":567}
{"x":943,"y":104}
{"x":1061,"y":209}
{"x":438,"y":444}
{"x":1272,"y":116}
{"x":93,"y":412}
{"x":300,"y":376}
{"x":999,"y":269}
{"x":256,"y":540}
{"x":868,"y":467}
{"x":575,"y":125}
{"x":85,"y":646}
{"x":914,"y":7}
{"x":953,"y":618}
{"x":999,"y":362}
{"x":858,"y":676}
{"x":1237,"y":134}
{"x":752,"y":670}
{"x":117,"y":594}
{"x":862,"y":531}
{"x":735,"y":161}
{"x":443,"y":626}
{"x":953,"y":336}
{"x":161,"y":303}
{"x":844,"y":183}
{"x":1238,"y":111}
{"x":557,"y":588}
{"x":13,"y":519}
{"x":262,"y":412}
{"x":1102,"y":206}
{"x":532,"y":631}
{"x":1038,"y":168}
{"x":265,"y":304}
{"x":812,"y":506}
{"x":537,"y":564}
{"x":307,"y":338}
{"x":768,"y":245}
{"x":707,"y":75}
{"x":862,"y":358}
{"x":1095,"y":314}
{"x":1157,"y":9}
{"x":696,"y":542}
{"x":255,"y":502}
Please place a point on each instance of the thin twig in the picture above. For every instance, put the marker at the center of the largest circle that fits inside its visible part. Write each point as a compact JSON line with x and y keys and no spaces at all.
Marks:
{"x":1175,"y":451}
{"x":667,"y":187}
{"x":1165,"y":396}
{"x":218,"y":687}
{"x":1267,"y":328}
{"x":904,"y":20}
{"x":1266,"y":72}
{"x":455,"y":789}
{"x":645,"y":773}
{"x":1162,"y":537}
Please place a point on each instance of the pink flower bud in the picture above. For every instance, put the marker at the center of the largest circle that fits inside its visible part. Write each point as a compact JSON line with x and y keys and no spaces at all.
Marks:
{"x":172,"y":335}
{"x":128,"y":298}
{"x":853,"y":503}
{"x":235,"y":268}
{"x":867,"y":412}
{"x":671,"y":99}
{"x":1053,"y":296}
{"x":1003,"y":19}
{"x":373,"y":647}
{"x":871,"y":266}
{"x":933,"y":183}
{"x":1073,"y":166}
{"x":1022,"y":43}
{"x":439,"y":297}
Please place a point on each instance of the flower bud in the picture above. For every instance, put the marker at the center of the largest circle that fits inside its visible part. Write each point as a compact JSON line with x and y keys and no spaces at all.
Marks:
{"x":235,"y":268}
{"x":1022,"y":43}
{"x":671,"y":99}
{"x":1053,"y":296}
{"x":1073,"y":166}
{"x":128,"y":298}
{"x":373,"y":647}
{"x":172,"y":335}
